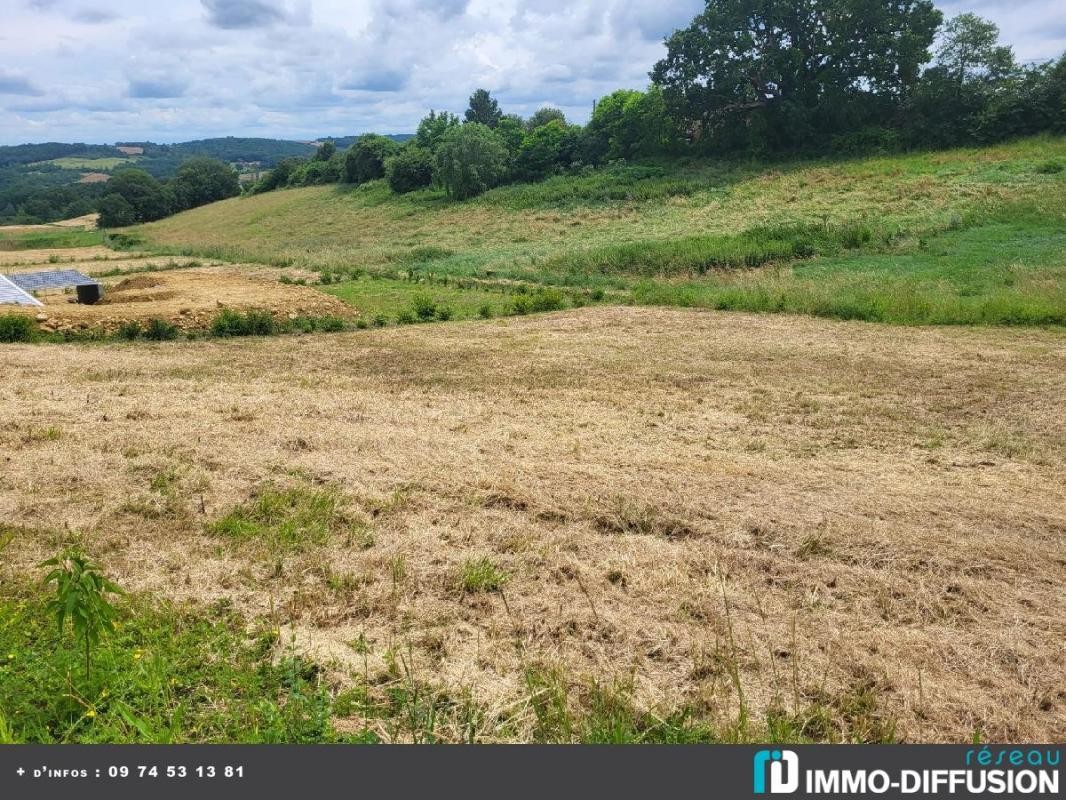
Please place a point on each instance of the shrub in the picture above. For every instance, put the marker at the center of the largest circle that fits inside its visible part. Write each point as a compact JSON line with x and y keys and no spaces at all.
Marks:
{"x":424,"y":307}
{"x":16,"y":328}
{"x":444,"y":313}
{"x":548,"y":300}
{"x":365,"y":161}
{"x":330,"y":324}
{"x":380,"y":321}
{"x":129,"y":330}
{"x":159,"y":330}
{"x":471,"y":160}
{"x":1050,"y":168}
{"x":485,"y":312}
{"x":410,"y":169}
{"x":406,"y":318}
{"x":521,"y":305}
{"x":251,"y":323}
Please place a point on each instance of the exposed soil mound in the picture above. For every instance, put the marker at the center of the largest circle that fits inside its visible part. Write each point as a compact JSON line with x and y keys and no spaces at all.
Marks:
{"x":189,"y":299}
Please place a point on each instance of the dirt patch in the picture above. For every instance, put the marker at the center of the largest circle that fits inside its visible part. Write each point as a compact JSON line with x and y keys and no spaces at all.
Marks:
{"x":685,"y":500}
{"x":94,"y":177}
{"x":189,"y":299}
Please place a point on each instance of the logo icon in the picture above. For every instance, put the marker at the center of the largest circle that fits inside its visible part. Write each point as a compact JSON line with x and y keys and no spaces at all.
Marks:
{"x":784,"y":771}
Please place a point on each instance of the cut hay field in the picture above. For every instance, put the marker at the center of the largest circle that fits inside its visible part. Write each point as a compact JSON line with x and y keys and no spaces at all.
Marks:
{"x":92,"y":164}
{"x":605,"y":524}
{"x":956,"y":237}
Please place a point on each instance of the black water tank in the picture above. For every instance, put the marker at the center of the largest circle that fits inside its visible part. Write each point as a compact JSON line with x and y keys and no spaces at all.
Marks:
{"x":89,"y":293}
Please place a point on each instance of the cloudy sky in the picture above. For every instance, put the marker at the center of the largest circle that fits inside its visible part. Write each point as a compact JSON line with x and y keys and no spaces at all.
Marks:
{"x":121,"y":70}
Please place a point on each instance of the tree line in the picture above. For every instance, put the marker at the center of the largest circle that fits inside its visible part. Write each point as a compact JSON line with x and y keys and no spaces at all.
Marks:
{"x":747,"y":78}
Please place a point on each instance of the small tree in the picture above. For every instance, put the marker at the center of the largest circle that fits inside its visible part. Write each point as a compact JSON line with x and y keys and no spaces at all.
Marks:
{"x":511,"y":131}
{"x":471,"y":160}
{"x":365,"y":160}
{"x":545,"y":150}
{"x":410,"y":169}
{"x":325,"y":151}
{"x":543,"y":116}
{"x":278,"y":177}
{"x":81,"y":596}
{"x":483,"y":110}
{"x":432,"y":129}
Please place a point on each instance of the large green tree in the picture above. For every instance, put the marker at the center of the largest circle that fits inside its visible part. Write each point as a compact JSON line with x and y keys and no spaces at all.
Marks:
{"x":969,"y":50}
{"x":788,"y":69}
{"x":484,"y":109}
{"x":204,"y":180}
{"x":142,"y":192}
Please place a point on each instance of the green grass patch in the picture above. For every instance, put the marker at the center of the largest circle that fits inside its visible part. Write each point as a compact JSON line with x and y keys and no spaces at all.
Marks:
{"x":53,"y":238}
{"x":1009,"y":269}
{"x":481,"y":575}
{"x":389,"y":297}
{"x":285,"y":519}
{"x":168,"y":674}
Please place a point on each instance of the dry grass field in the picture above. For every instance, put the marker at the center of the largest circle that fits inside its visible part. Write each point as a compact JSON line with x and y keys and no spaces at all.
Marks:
{"x":859,"y":527}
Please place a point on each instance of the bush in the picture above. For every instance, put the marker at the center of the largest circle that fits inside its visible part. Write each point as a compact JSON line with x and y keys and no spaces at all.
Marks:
{"x":159,"y":330}
{"x":424,"y":307}
{"x":410,"y":169}
{"x":472,"y":160}
{"x":129,"y":330}
{"x":365,"y":161}
{"x":406,"y":318}
{"x":251,"y":323}
{"x":548,"y":300}
{"x":16,"y":328}
{"x":1050,"y":168}
{"x":380,"y":321}
{"x":485,"y":312}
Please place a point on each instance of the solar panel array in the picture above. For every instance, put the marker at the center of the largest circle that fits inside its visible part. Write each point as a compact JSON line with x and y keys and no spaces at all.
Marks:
{"x":53,"y":279}
{"x":10,"y":294}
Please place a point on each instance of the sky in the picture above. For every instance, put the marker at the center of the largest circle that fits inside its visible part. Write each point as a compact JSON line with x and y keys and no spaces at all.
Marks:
{"x":129,"y":70}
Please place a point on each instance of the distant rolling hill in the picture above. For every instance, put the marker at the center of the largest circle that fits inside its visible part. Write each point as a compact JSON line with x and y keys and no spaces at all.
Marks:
{"x":54,"y":180}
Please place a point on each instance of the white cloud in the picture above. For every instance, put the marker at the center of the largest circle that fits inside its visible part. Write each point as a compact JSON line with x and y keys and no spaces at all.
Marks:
{"x":304,"y":68}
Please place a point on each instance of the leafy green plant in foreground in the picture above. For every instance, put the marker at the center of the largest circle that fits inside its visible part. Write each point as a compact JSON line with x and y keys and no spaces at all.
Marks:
{"x":81,"y":592}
